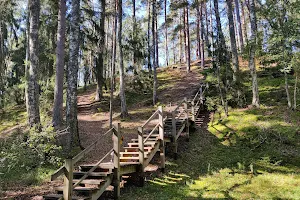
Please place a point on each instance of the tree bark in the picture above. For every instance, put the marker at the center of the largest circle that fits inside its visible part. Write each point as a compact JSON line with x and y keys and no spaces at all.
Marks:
{"x":206,"y":30}
{"x":154,"y":52}
{"x":113,"y":62}
{"x":100,"y":49}
{"x":295,"y":90}
{"x":71,"y":107}
{"x":288,"y":98}
{"x":60,"y":61}
{"x":148,"y":36}
{"x":239,"y":24}
{"x":187,"y":39}
{"x":244,"y":24}
{"x":166,"y":36}
{"x":201,"y":35}
{"x":198,"y":30}
{"x":252,"y":67}
{"x":234,"y":55}
{"x":124,"y":112}
{"x":32,"y":81}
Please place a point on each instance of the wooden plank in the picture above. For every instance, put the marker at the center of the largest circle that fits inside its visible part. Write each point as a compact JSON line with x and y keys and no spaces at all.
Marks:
{"x":179,"y":132}
{"x":154,"y":150}
{"x":88,"y":148}
{"x":141,"y":145}
{"x":57,"y":173}
{"x":96,"y":195}
{"x":157,"y":125}
{"x":150,"y":118}
{"x":68,"y":179}
{"x":117,"y":174}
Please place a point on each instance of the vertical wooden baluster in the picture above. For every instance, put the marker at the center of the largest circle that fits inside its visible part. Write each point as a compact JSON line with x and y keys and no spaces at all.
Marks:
{"x":68,"y":179}
{"x":161,"y":135}
{"x":186,"y":118}
{"x":117,"y":146}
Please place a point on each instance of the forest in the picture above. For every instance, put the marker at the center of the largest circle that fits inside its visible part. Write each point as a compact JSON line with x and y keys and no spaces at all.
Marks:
{"x":70,"y":70}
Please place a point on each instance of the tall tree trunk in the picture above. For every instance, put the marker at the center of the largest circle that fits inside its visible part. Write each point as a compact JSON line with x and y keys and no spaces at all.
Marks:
{"x":234,"y":55}
{"x":244,"y":24}
{"x":187,"y":39}
{"x":255,"y":95}
{"x":206,"y":30}
{"x":211,"y":28}
{"x":288,"y":98}
{"x":32,"y":81}
{"x":166,"y":37}
{"x":198,"y":30}
{"x":134,"y":33}
{"x":124,"y":112}
{"x":113,"y":62}
{"x":239,"y":24}
{"x":71,"y":107}
{"x":154,"y":52}
{"x":295,"y":90}
{"x":100,"y":57}
{"x":201,"y":35}
{"x":148,"y":35}
{"x":60,"y":61}
{"x":221,"y":58}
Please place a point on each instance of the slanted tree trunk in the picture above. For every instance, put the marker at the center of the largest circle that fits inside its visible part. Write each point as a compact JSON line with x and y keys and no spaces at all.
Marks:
{"x":71,"y":105}
{"x":100,"y":57}
{"x":166,"y":37}
{"x":187,"y":39}
{"x":252,"y":67}
{"x":211,"y":28}
{"x":124,"y":112}
{"x":154,"y":57}
{"x":60,"y":62}
{"x":239,"y":24}
{"x":33,"y":89}
{"x":234,"y":55}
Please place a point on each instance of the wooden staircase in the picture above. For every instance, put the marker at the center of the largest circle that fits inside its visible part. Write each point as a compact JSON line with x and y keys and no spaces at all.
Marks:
{"x":91,"y":181}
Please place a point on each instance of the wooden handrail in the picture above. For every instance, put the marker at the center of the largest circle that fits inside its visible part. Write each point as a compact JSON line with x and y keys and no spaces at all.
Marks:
{"x":157,"y":125}
{"x":89,"y":148}
{"x":150,"y":118}
{"x":92,"y":169}
{"x":179,"y":105}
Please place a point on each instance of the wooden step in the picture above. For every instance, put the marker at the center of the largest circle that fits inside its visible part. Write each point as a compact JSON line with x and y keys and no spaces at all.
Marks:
{"x":60,"y":196}
{"x":132,"y":149}
{"x":81,"y":190}
{"x":129,"y":163}
{"x":90,"y":181}
{"x":129,"y":158}
{"x":149,"y":139}
{"x":92,"y":175}
{"x":147,"y":144}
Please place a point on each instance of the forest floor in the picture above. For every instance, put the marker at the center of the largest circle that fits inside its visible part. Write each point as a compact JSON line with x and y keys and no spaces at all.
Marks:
{"x":252,"y":154}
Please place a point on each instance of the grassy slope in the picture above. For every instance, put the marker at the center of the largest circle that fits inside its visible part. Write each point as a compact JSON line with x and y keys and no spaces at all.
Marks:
{"x":252,"y":154}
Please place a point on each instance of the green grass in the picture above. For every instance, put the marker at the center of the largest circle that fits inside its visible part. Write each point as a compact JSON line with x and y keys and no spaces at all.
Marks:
{"x":12,"y":116}
{"x":252,"y":154}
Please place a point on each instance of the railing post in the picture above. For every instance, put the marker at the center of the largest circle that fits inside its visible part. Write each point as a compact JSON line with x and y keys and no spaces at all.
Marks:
{"x":173,"y":125}
{"x":185,"y":104}
{"x":117,"y":146}
{"x":141,"y":146}
{"x":68,"y":179}
{"x":161,"y":135}
{"x":161,"y":123}
{"x":193,"y":110}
